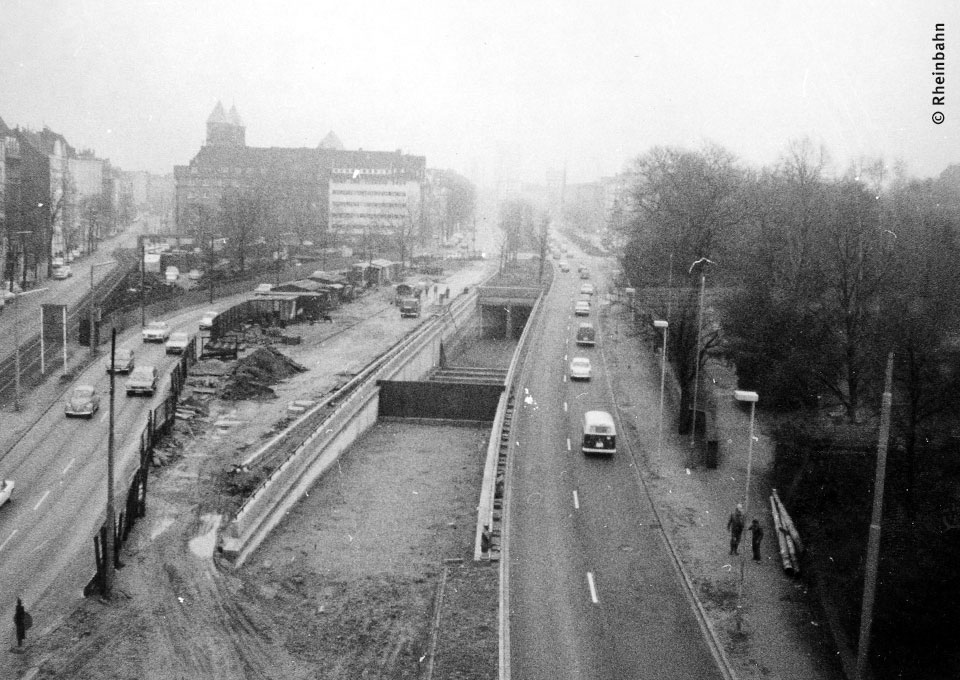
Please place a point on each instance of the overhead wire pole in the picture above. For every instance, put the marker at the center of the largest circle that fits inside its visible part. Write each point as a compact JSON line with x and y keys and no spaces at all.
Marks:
{"x":110,"y":550}
{"x":696,"y":353}
{"x":873,"y":542}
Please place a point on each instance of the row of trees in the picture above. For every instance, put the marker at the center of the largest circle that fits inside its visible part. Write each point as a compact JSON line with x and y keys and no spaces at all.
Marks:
{"x":819,"y":276}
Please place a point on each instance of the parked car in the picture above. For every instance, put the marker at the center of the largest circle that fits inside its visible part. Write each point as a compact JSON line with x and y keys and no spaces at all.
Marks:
{"x":206,"y":321}
{"x":83,"y":401}
{"x":263,"y":289}
{"x":156,"y":331}
{"x":580,"y":368}
{"x":122,"y":362}
{"x":171,"y":275}
{"x":6,"y":490}
{"x":177,"y":344}
{"x":62,"y":272}
{"x":194,"y":274}
{"x":142,"y":380}
{"x":584,"y":273}
{"x":582,"y":308}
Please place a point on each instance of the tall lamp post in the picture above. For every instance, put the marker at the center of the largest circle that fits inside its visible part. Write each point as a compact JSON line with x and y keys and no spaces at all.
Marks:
{"x":696,"y":353}
{"x":752,"y":398}
{"x":661,"y":323}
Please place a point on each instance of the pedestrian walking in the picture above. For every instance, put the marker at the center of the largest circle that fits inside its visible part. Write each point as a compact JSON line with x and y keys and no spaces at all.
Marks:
{"x":486,"y":540}
{"x":735,"y":526}
{"x":756,"y":537}
{"x":21,"y":620}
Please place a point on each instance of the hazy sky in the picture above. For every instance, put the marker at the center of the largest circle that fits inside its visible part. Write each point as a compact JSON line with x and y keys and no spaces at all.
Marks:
{"x":489,"y":88}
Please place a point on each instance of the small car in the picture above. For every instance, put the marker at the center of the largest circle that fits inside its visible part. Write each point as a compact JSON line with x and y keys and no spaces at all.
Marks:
{"x":6,"y":490}
{"x":584,"y":273}
{"x":156,"y":331}
{"x":206,"y":321}
{"x":587,"y":289}
{"x":171,"y":275}
{"x":194,"y":274}
{"x":83,"y":401}
{"x":122,"y":362}
{"x":177,"y":344}
{"x":142,"y":380}
{"x":580,"y":368}
{"x":62,"y":272}
{"x":564,"y":267}
{"x":582,"y":308}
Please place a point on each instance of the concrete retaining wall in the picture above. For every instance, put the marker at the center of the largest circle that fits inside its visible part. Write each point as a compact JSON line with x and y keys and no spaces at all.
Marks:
{"x":412,"y":359}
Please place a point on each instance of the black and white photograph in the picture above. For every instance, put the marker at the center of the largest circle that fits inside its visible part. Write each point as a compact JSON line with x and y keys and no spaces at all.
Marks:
{"x":479,"y":340}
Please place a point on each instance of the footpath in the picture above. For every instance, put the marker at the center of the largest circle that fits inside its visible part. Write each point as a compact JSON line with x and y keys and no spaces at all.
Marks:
{"x":782,"y":634}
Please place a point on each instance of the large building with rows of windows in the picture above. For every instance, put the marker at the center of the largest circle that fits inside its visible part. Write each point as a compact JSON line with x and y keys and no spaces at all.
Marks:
{"x":328,"y":195}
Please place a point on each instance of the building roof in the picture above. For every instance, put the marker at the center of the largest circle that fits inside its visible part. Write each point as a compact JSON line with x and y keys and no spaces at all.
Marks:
{"x":218,"y":116}
{"x":331,"y":141}
{"x":235,"y":117}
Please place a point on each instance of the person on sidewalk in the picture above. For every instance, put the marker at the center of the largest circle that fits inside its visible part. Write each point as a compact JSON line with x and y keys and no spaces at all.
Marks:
{"x":756,"y":537}
{"x":735,"y":526}
{"x":20,"y":622}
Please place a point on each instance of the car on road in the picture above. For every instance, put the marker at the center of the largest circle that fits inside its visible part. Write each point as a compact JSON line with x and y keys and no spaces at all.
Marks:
{"x":582,"y":308}
{"x":122,"y":362}
{"x":586,"y":334}
{"x":194,"y":274}
{"x":584,"y":273}
{"x":587,"y":289}
{"x":156,"y":331}
{"x":564,"y":267}
{"x":6,"y":490}
{"x":142,"y":380}
{"x":62,"y":272}
{"x":171,"y":275}
{"x":177,"y":344}
{"x":206,"y":321}
{"x":83,"y":401}
{"x":580,"y":368}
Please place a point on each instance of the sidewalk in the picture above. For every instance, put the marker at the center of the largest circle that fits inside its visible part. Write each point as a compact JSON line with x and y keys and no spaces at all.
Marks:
{"x":782,"y":634}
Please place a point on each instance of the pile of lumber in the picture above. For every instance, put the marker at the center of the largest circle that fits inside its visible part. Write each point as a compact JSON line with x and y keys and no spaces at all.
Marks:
{"x":791,"y":547}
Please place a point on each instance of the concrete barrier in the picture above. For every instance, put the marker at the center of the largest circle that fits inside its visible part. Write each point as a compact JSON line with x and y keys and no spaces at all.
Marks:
{"x":411,"y":359}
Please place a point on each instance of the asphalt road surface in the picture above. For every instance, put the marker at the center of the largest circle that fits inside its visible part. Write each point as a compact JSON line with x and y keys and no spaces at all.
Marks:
{"x":592,"y":590}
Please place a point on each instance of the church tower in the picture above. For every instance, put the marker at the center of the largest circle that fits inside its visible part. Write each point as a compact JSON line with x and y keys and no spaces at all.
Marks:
{"x":225,"y":129}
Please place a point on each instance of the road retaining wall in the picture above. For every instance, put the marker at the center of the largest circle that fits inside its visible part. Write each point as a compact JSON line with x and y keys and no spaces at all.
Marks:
{"x":411,"y":359}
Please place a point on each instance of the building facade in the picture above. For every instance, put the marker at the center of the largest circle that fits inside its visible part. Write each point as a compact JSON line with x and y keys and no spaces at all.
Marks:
{"x":327,"y":195}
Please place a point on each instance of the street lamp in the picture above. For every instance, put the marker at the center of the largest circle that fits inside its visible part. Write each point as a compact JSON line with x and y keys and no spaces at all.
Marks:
{"x":752,"y":398}
{"x":660,"y":323}
{"x":696,"y":353}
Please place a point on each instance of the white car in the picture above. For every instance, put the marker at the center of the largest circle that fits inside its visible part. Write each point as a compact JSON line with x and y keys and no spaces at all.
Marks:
{"x":582,"y":308}
{"x":62,"y":272}
{"x":177,"y":344}
{"x":580,"y":368}
{"x":156,"y":331}
{"x":206,"y":321}
{"x":586,"y":289}
{"x":6,"y":490}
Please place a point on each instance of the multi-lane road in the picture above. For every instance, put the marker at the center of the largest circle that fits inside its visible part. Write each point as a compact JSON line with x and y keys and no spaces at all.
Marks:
{"x":592,"y":590}
{"x":60,"y":468}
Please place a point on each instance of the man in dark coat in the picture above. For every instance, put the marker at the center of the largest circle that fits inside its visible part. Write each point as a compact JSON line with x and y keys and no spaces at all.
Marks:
{"x":756,"y":537}
{"x":20,"y":621}
{"x":735,"y":526}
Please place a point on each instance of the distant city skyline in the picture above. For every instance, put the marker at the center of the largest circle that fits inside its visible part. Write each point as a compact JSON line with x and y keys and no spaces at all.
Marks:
{"x":497,"y":91}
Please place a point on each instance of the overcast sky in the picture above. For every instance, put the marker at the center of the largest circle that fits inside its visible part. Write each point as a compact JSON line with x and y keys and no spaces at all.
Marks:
{"x":491,"y":89}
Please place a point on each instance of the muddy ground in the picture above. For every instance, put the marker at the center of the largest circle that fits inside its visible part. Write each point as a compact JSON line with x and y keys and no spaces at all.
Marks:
{"x":351,"y":585}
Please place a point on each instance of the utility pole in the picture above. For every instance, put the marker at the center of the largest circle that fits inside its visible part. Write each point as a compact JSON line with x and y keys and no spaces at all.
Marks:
{"x":873,"y":543}
{"x":110,"y":549}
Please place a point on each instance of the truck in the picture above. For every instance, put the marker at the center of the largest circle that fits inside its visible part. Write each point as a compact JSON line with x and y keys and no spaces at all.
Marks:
{"x":409,"y":307}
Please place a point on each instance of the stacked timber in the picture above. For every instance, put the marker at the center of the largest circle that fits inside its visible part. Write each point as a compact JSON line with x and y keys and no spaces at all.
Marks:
{"x":788,"y":539}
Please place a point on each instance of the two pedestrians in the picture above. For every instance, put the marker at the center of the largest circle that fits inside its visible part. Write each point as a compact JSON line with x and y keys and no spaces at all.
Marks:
{"x":735,"y":525}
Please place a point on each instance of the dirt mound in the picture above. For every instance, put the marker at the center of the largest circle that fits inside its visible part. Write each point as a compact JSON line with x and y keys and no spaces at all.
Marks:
{"x":253,"y":375}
